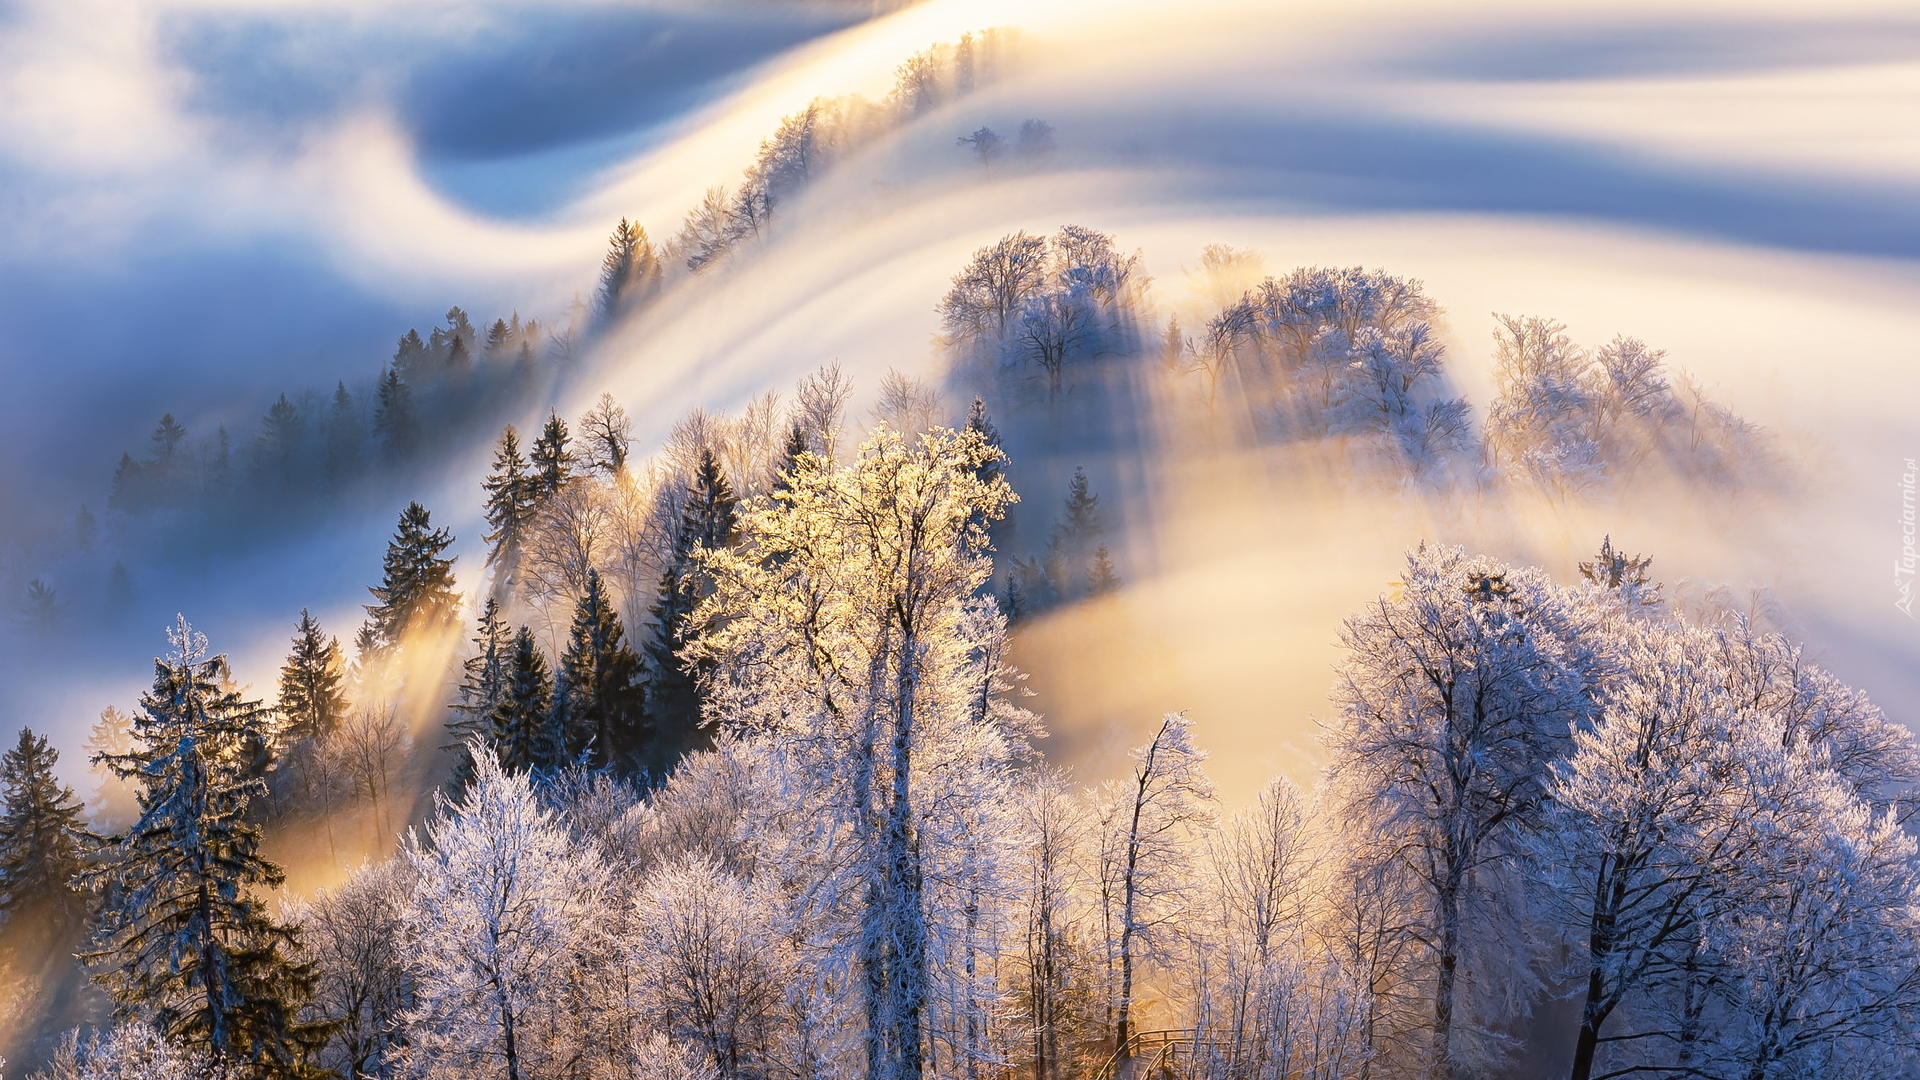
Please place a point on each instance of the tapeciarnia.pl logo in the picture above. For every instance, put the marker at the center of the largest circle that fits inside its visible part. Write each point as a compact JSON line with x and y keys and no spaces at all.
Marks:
{"x":1903,"y":567}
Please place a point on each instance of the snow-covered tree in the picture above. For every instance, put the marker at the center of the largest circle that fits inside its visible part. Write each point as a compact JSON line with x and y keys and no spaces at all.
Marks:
{"x":134,"y":1051}
{"x":1458,"y":691}
{"x":502,"y":910}
{"x":187,"y":942}
{"x":838,"y":623}
{"x":1056,"y":991}
{"x":355,"y":935}
{"x":1148,"y":826}
{"x":1642,"y":824}
{"x":713,"y":965}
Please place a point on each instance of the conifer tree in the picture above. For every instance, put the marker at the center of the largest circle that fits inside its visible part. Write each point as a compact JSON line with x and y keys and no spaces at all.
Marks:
{"x":459,"y":358}
{"x":483,"y":686}
{"x":409,"y":355}
{"x":393,"y":417}
{"x":42,"y":839}
{"x":113,"y":801}
{"x":1102,"y":577}
{"x":710,"y":522}
{"x":1623,"y":574}
{"x":1075,"y":534}
{"x":552,"y":461}
{"x":312,"y":703}
{"x":220,"y":469}
{"x":343,"y":436}
{"x":630,"y":271}
{"x":523,"y":734}
{"x":187,"y":943}
{"x":512,"y":493}
{"x":990,"y":469}
{"x":278,"y":448}
{"x":129,"y":485}
{"x":416,"y":588}
{"x":601,"y":682}
{"x":790,"y":454}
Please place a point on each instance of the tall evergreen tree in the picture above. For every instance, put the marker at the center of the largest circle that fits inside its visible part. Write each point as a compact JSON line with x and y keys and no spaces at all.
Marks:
{"x":674,"y":702}
{"x":42,"y":839}
{"x":312,"y":702}
{"x":393,"y":417}
{"x":410,"y":355}
{"x":188,"y":943}
{"x":601,"y":682}
{"x":630,"y":271}
{"x":129,"y":485}
{"x":278,"y":448}
{"x":483,"y":686}
{"x":790,"y":455}
{"x":552,"y":460}
{"x":459,"y":356}
{"x":1075,"y":535}
{"x":523,"y":734}
{"x":416,"y":588}
{"x":512,"y":494}
{"x":343,"y":436}
{"x":978,"y":421}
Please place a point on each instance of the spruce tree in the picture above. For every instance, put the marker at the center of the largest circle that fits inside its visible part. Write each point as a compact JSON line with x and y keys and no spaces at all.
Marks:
{"x":416,"y":588}
{"x":1622,"y":574}
{"x":552,"y":461}
{"x":790,"y":455}
{"x":129,"y":485}
{"x":512,"y":493}
{"x":188,"y":943}
{"x":278,"y":448}
{"x":410,"y":355}
{"x":343,"y":436}
{"x":674,"y":698}
{"x":523,"y":735}
{"x":630,"y":271}
{"x":483,"y":686}
{"x":1074,"y":536}
{"x":393,"y":417}
{"x":601,"y":683}
{"x":991,"y":467}
{"x":459,"y":358}
{"x":1102,"y":577}
{"x":312,"y":703}
{"x":42,"y":839}
{"x":113,"y":798}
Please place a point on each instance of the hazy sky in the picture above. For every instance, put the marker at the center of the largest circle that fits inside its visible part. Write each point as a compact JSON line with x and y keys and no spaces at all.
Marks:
{"x":205,"y":202}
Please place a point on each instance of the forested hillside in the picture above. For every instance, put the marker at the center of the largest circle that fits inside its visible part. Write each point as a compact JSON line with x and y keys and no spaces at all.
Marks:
{"x":1165,"y":665}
